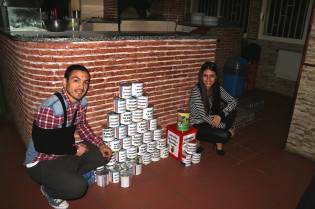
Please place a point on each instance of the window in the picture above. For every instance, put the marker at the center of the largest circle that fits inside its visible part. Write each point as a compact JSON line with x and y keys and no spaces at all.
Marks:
{"x":229,"y":11}
{"x":285,"y":20}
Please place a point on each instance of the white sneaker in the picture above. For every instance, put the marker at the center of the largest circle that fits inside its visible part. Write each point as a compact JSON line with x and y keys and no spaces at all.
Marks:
{"x":55,"y":203}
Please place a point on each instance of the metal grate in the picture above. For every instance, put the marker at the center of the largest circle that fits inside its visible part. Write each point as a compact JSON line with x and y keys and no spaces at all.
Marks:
{"x":208,"y":7}
{"x":232,"y":11}
{"x":286,"y":18}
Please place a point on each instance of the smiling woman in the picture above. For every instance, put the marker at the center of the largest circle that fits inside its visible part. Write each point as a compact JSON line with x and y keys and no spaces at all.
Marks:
{"x":212,"y":109}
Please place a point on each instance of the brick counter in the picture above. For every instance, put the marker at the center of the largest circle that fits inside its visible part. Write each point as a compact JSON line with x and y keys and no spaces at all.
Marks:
{"x":31,"y":71}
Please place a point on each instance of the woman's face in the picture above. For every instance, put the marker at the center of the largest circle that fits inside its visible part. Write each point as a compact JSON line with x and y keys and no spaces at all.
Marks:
{"x":209,"y":78}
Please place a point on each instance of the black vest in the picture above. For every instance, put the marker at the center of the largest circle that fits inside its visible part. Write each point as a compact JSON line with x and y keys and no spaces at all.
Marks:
{"x":57,"y":141}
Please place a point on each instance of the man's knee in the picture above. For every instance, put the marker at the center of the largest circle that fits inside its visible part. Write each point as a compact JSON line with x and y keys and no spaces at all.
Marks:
{"x":77,"y":189}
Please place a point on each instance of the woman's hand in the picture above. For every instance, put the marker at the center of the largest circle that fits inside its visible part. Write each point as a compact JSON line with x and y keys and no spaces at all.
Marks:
{"x":106,"y":151}
{"x":81,"y":149}
{"x":215,"y":120}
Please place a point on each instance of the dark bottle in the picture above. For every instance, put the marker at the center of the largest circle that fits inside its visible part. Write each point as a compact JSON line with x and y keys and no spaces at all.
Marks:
{"x":55,"y":9}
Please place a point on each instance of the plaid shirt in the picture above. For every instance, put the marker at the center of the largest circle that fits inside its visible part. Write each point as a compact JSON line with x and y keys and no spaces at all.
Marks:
{"x":46,"y":118}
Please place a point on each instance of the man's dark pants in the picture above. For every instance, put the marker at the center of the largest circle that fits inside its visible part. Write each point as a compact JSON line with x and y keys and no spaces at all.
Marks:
{"x":63,"y":178}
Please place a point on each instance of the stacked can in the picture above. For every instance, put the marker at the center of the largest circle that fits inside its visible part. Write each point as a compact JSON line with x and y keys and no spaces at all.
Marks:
{"x":132,"y":134}
{"x":191,"y":155}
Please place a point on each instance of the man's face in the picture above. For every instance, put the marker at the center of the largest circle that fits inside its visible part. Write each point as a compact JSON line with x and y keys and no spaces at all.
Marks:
{"x":77,"y":85}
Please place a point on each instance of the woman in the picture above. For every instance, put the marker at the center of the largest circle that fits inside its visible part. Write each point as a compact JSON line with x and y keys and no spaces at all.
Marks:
{"x":212,"y":109}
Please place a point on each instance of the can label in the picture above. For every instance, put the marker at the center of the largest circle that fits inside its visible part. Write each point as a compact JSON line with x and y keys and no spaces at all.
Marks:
{"x":108,"y":134}
{"x":132,"y":152}
{"x":196,"y":157}
{"x":142,"y":149}
{"x":137,"y":115}
{"x":164,"y":153}
{"x":161,"y":144}
{"x":190,"y":147}
{"x":152,"y":124}
{"x":131,"y":103}
{"x":147,"y":137}
{"x":132,"y":129}
{"x":147,"y":158}
{"x":182,"y":120}
{"x":136,"y":89}
{"x":136,"y":139}
{"x":151,"y":146}
{"x":113,"y":119}
{"x":125,"y":90}
{"x":115,"y":145}
{"x":156,"y":155}
{"x":142,"y":126}
{"x":147,"y":113}
{"x":157,"y":134}
{"x":119,"y":105}
{"x":122,"y":155}
{"x":115,"y":176}
{"x":187,"y":160}
{"x":142,"y":102}
{"x":126,"y":142}
{"x":120,"y":132}
{"x":125,"y":118}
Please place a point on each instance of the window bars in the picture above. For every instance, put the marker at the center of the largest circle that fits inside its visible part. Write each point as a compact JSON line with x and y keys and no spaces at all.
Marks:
{"x":232,"y":11}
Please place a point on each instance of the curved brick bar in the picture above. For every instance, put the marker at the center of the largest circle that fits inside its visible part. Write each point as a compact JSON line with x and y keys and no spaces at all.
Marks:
{"x":32,"y":68}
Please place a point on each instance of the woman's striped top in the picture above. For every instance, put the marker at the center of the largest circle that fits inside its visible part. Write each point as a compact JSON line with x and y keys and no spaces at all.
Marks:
{"x":198,"y":112}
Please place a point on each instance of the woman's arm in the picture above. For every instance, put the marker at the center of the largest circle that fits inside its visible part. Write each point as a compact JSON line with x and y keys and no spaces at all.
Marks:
{"x":229,"y":100}
{"x":197,"y":110}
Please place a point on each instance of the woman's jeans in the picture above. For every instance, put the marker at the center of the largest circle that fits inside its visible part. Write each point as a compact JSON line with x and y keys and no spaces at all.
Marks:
{"x":63,"y":178}
{"x":216,"y":135}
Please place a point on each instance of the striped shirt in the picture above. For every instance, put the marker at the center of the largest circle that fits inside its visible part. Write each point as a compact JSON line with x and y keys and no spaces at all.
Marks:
{"x":197,"y":109}
{"x":50,"y":116}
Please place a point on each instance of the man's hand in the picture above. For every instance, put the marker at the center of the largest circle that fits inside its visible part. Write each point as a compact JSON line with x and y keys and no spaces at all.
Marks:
{"x":106,"y":151}
{"x":81,"y":149}
{"x":215,"y":120}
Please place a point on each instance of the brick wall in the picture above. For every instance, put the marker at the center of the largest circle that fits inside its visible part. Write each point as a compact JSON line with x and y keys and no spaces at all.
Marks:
{"x":32,"y":71}
{"x":229,"y":43}
{"x":301,"y":138}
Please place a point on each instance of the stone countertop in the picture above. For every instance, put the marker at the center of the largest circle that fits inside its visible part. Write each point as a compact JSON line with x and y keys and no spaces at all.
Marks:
{"x":82,"y":36}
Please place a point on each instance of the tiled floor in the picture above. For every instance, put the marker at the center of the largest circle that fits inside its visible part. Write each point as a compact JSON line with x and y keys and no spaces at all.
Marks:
{"x":255,"y":173}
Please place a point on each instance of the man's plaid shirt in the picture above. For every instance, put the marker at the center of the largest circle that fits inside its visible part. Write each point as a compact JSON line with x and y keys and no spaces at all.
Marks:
{"x":46,"y":118}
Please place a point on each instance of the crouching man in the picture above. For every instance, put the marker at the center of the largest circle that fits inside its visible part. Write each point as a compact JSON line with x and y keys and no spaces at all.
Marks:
{"x":53,"y":158}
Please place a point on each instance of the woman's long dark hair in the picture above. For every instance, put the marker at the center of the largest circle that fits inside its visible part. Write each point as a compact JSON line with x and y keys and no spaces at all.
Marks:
{"x":214,"y":90}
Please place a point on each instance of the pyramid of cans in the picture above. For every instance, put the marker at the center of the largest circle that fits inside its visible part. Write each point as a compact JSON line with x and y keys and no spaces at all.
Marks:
{"x":133,"y":135}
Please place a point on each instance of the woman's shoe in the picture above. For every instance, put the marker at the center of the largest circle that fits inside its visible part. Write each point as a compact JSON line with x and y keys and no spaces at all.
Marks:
{"x":219,"y":152}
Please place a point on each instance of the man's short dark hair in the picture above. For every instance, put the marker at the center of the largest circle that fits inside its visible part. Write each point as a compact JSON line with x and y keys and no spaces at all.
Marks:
{"x":75,"y":67}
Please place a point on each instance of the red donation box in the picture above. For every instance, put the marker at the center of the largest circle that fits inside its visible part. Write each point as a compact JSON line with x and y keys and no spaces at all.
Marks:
{"x":177,"y":139}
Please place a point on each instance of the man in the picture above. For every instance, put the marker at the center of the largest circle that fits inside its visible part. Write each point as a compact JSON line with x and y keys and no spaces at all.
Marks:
{"x":53,"y":158}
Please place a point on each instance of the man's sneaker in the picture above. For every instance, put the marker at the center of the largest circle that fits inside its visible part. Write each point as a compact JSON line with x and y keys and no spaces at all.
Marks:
{"x":55,"y":203}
